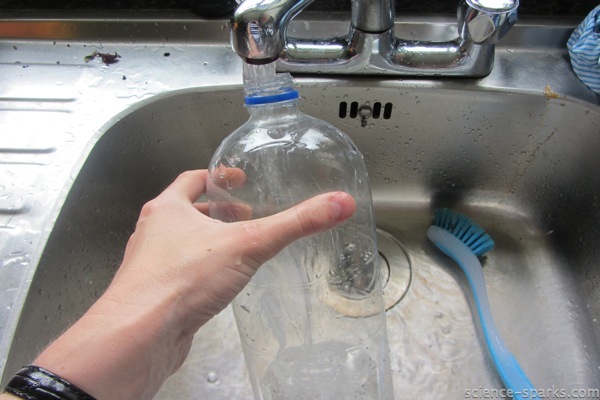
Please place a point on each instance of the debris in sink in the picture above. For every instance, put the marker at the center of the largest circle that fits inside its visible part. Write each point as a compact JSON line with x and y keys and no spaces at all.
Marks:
{"x":549,"y":93}
{"x":107,"y":58}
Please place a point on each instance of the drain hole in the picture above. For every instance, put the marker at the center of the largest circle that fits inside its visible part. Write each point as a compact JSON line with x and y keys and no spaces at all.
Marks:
{"x":353,"y":109}
{"x":387,"y":110}
{"x":396,"y":269}
{"x":343,"y":109}
{"x":376,"y":110}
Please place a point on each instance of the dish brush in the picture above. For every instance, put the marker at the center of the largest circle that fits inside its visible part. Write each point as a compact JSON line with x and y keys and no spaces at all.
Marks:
{"x":463,"y":241}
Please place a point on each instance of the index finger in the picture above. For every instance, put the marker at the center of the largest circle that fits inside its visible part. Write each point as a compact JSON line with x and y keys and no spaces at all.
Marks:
{"x":189,"y":184}
{"x":228,"y":177}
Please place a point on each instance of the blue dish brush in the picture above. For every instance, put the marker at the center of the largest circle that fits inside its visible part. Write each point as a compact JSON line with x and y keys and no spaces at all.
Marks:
{"x":463,"y":241}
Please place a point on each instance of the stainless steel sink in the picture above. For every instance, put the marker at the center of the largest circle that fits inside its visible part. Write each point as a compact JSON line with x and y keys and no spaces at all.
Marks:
{"x":523,"y":165}
{"x":517,"y":151}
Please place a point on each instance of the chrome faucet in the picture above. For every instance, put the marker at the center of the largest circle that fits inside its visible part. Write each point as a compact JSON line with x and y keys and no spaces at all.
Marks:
{"x":258,"y":35}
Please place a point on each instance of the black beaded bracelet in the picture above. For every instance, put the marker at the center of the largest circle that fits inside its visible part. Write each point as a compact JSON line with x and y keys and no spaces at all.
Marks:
{"x":35,"y":383}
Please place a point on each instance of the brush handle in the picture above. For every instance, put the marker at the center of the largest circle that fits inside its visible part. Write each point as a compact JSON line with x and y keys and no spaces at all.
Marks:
{"x":507,"y":366}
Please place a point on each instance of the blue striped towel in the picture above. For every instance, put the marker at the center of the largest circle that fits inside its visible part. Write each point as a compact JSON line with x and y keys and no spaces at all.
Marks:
{"x":584,"y":50}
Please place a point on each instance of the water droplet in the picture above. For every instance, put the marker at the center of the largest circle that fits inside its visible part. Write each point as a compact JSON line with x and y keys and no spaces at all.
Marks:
{"x":212,"y":377}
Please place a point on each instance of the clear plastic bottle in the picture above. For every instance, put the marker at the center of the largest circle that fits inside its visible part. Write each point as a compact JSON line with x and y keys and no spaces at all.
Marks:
{"x":312,"y":319}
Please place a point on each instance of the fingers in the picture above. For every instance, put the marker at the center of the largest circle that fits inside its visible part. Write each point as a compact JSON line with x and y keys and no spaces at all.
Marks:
{"x":271,"y":234}
{"x":202,"y":207}
{"x":312,"y":216}
{"x":225,"y":177}
{"x":226,"y":212}
{"x":192,"y":184}
{"x":189,"y":184}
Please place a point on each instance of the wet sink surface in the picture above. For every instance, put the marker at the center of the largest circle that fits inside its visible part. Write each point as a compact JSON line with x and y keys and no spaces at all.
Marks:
{"x":521,"y":165}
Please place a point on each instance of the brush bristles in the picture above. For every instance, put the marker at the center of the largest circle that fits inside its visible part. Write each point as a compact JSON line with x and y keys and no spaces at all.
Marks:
{"x":464,"y":229}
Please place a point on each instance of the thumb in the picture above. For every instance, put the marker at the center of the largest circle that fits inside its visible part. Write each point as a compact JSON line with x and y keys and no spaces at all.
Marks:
{"x":312,"y":216}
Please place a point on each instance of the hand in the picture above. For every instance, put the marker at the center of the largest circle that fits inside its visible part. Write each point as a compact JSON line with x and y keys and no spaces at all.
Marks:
{"x":180,"y":269}
{"x":205,"y":262}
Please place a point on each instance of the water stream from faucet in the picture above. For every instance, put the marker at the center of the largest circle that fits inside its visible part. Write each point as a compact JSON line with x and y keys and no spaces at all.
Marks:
{"x":253,"y":75}
{"x":253,"y":72}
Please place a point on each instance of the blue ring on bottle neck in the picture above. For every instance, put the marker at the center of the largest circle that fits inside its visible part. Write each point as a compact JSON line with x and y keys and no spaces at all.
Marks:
{"x":274,"y":98}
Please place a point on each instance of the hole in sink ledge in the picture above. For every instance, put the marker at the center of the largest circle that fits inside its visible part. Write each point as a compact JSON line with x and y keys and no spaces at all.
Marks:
{"x":396,"y":268}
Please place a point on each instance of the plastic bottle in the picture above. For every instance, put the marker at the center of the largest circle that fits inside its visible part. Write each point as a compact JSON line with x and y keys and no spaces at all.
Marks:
{"x":312,"y":319}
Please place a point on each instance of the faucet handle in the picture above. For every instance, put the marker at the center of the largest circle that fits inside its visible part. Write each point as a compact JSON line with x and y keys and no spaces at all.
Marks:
{"x":486,"y":21}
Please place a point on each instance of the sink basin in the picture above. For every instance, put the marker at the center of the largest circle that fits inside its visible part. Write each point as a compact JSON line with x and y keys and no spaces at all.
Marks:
{"x":522,"y":165}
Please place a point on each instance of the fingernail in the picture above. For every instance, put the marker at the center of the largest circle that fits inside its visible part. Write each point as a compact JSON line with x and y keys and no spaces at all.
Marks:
{"x":342,"y":206}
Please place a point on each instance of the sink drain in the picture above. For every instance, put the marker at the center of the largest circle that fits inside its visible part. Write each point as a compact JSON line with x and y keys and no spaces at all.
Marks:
{"x":396,"y":268}
{"x":394,"y":265}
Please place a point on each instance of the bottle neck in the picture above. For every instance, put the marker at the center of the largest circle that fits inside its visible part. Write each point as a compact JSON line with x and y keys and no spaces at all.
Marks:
{"x":266,"y":91}
{"x":278,"y":108}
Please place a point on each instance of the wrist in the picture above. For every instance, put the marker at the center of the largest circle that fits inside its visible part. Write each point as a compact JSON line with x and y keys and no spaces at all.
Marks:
{"x":121,"y":344}
{"x":33,"y":382}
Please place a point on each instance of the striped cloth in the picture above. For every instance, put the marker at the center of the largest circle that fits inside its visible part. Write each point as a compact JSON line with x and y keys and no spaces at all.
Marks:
{"x":584,"y":50}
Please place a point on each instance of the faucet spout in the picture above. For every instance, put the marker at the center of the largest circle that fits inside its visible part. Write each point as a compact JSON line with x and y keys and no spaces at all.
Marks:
{"x":258,"y":28}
